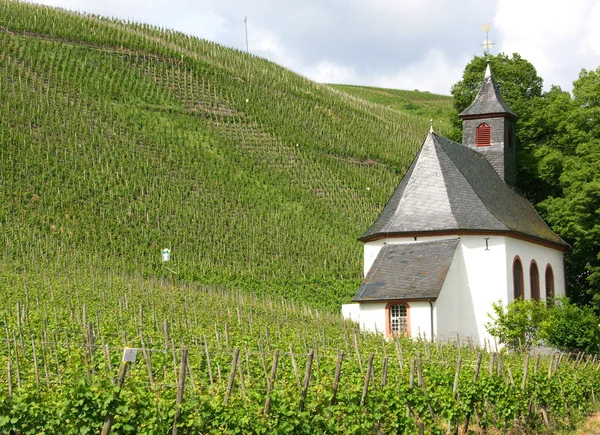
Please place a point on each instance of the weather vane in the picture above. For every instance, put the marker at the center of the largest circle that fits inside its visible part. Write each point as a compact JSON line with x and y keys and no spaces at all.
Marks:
{"x":487,"y":44}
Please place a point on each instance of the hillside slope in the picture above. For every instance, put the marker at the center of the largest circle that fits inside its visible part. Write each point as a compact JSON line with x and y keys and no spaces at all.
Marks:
{"x":433,"y":106}
{"x":120,"y":139}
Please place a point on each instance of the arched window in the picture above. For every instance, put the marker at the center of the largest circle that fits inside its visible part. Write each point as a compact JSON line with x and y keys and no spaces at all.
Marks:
{"x":483,"y":135}
{"x":534,"y":281}
{"x":517,"y":278}
{"x":510,"y":140}
{"x":549,"y":284}
{"x":397,"y":319}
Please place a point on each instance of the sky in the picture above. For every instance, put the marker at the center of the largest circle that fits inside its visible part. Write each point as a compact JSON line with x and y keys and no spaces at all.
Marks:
{"x":402,"y":44}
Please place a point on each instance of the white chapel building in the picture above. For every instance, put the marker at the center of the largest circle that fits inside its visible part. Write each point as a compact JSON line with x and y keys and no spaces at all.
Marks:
{"x":456,"y":236}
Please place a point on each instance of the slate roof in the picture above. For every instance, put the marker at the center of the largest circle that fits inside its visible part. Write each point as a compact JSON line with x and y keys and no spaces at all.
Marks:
{"x":488,"y":100}
{"x":452,"y":187}
{"x":408,"y":271}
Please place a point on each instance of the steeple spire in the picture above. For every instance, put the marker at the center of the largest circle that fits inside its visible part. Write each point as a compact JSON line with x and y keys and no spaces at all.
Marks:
{"x":488,"y":99}
{"x":488,"y":71}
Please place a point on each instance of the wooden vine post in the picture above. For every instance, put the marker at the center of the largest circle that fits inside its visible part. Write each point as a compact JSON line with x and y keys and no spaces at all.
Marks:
{"x":367,"y":378}
{"x":336,"y":381}
{"x":234,"y":362}
{"x":129,"y":355}
{"x":180,"y":387}
{"x":271,"y":382}
{"x":309,"y":360}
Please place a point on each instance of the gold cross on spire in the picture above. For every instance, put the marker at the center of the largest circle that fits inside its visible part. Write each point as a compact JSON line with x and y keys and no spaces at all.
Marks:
{"x":487,"y":44}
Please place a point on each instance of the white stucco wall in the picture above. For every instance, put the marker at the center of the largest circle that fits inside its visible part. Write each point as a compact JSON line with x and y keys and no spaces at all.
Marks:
{"x":351,"y":312}
{"x":420,"y":319}
{"x":479,"y":275}
{"x":476,"y":279}
{"x":372,"y":316}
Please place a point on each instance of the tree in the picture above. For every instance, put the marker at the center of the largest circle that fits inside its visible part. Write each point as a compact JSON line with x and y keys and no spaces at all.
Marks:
{"x":563,"y":325}
{"x":574,"y":213}
{"x":568,"y":326}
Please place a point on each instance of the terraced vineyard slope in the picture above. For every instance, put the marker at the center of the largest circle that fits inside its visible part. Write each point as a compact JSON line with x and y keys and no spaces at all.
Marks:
{"x":120,"y":139}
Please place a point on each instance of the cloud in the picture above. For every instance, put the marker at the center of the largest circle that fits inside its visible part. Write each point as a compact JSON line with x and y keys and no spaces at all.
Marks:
{"x":434,"y":72}
{"x":327,"y":72}
{"x":558,"y":38}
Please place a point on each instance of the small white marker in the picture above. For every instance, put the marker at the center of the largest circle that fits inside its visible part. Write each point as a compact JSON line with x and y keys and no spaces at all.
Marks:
{"x":129,"y":354}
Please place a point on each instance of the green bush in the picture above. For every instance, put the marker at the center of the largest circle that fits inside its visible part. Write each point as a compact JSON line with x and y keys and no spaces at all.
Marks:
{"x":571,"y":326}
{"x":563,"y":325}
{"x":518,"y":325}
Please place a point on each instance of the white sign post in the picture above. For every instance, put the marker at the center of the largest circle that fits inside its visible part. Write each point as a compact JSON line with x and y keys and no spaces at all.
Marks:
{"x":166,"y":255}
{"x":129,"y":354}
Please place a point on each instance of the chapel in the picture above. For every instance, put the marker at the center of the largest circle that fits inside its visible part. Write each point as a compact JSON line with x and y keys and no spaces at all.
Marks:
{"x":456,"y":236}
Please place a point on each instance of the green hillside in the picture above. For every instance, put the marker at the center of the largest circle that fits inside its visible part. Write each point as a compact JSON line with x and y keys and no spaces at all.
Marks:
{"x":120,"y":139}
{"x":432,"y":106}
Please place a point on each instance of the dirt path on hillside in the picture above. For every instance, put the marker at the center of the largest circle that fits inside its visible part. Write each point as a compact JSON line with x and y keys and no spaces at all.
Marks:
{"x":590,"y":427}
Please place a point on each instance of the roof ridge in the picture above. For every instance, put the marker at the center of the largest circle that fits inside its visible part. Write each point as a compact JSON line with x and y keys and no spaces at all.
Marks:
{"x":468,"y":179}
{"x":430,"y":137}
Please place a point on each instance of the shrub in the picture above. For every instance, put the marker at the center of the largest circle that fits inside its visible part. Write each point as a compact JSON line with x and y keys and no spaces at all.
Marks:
{"x":570,"y":326}
{"x":518,"y":324}
{"x":564,"y":325}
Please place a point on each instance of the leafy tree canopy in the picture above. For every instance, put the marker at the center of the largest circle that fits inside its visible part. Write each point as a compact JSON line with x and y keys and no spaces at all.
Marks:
{"x":572,"y":161}
{"x":516,"y":78}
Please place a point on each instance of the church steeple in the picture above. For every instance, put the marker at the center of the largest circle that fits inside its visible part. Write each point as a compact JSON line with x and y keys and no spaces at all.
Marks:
{"x":489,"y":127}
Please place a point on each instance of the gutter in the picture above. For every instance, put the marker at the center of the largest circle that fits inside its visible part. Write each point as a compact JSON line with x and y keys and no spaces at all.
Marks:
{"x":431,"y":317}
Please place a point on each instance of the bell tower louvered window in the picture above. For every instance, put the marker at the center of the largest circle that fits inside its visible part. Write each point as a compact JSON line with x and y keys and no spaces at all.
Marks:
{"x":483,"y":135}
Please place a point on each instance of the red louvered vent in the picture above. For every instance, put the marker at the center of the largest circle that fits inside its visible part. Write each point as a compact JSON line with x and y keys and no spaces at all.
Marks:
{"x":483,"y":136}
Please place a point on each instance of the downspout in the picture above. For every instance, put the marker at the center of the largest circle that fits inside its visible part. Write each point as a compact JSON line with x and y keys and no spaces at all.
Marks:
{"x":431,"y":317}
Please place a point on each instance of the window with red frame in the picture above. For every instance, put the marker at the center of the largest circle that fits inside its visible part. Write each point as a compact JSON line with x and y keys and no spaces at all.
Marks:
{"x":483,"y":135}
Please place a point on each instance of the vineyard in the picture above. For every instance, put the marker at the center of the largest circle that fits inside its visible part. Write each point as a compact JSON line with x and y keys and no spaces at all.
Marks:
{"x":211,"y":360}
{"x":120,"y":139}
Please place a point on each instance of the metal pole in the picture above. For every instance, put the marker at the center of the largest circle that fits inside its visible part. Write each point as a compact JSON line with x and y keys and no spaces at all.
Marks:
{"x":246,"y":26}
